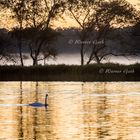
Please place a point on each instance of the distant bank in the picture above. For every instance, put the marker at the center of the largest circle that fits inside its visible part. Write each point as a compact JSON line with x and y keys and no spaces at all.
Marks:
{"x":89,"y":73}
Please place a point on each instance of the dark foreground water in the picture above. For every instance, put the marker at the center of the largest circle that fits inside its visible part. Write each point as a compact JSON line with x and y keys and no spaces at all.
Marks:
{"x":76,"y":111}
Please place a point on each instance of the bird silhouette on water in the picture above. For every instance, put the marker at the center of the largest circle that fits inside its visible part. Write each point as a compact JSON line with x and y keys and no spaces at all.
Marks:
{"x":38,"y":104}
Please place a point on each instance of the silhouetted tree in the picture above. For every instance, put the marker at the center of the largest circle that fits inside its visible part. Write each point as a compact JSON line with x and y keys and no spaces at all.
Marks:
{"x":81,"y":11}
{"x":40,"y":43}
{"x":50,"y":53}
{"x":40,"y":15}
{"x":109,"y":15}
{"x":6,"y":48}
{"x":18,"y":9}
{"x":96,"y":18}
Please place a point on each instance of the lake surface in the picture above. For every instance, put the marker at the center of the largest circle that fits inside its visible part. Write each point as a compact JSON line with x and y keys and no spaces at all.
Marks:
{"x":76,"y":111}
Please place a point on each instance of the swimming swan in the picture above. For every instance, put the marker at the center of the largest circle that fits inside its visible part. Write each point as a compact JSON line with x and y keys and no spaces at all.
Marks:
{"x":38,"y":104}
{"x":35,"y":104}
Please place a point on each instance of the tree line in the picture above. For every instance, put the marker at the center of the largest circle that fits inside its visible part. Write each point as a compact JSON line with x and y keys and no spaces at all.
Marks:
{"x":96,"y":20}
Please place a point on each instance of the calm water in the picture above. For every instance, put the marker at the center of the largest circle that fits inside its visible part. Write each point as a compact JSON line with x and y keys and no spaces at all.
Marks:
{"x":76,"y":111}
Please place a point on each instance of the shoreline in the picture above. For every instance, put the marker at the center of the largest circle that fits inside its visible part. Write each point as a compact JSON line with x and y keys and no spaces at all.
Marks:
{"x":89,"y":73}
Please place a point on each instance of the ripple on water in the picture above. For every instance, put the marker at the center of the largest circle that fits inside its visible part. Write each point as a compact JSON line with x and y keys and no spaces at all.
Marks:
{"x":77,"y":111}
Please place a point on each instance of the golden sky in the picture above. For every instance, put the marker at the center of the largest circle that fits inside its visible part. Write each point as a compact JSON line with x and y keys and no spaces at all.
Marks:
{"x":133,"y":1}
{"x":67,"y":22}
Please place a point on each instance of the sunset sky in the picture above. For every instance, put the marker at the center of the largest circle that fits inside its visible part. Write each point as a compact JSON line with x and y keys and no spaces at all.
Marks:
{"x":67,"y":22}
{"x":134,"y":1}
{"x":70,"y":22}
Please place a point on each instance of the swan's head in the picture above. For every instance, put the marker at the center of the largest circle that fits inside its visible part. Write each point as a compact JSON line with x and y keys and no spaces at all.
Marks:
{"x":46,"y":100}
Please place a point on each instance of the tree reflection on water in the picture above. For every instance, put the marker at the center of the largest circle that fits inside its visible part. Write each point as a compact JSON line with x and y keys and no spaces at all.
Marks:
{"x":76,"y":111}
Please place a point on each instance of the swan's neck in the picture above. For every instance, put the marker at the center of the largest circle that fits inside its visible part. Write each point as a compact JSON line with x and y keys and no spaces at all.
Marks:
{"x":46,"y":100}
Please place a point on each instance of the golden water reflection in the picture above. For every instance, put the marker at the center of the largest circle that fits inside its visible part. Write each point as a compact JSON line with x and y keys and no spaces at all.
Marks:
{"x":76,"y":111}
